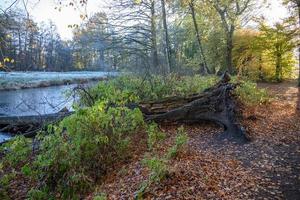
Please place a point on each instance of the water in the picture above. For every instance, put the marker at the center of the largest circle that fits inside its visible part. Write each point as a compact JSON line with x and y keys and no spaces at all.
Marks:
{"x":4,"y":137}
{"x":35,"y":101}
{"x":38,"y":101}
{"x":25,"y":77}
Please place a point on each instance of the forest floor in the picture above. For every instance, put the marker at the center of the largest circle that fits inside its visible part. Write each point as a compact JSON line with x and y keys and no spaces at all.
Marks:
{"x":268,"y":167}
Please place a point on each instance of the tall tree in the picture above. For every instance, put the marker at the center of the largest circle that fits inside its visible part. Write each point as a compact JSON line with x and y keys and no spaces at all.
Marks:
{"x":154,"y":50}
{"x":295,"y":6}
{"x":204,"y":69}
{"x":278,"y":44}
{"x":167,"y":39}
{"x":230,"y":12}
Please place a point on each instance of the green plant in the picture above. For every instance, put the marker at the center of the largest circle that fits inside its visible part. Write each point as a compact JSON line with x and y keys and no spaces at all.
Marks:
{"x":4,"y":184}
{"x":154,"y":135}
{"x":5,"y":179}
{"x":132,"y":89}
{"x":180,"y":140}
{"x":16,"y":151}
{"x":158,"y":171}
{"x":83,"y":145}
{"x":35,"y":194}
{"x":101,"y":196}
{"x":3,"y":194}
{"x":249,"y":94}
{"x":158,"y":168}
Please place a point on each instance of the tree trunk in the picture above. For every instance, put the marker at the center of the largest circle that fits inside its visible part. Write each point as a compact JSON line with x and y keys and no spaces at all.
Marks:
{"x":167,"y":42}
{"x":298,"y":5}
{"x":205,"y":69}
{"x":278,"y":73}
{"x":153,"y":38}
{"x":229,"y":47}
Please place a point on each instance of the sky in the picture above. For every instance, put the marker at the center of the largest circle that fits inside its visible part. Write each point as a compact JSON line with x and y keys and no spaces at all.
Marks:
{"x":44,"y":10}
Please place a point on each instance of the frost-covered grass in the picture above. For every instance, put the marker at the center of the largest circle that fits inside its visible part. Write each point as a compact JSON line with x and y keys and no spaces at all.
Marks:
{"x":18,"y":80}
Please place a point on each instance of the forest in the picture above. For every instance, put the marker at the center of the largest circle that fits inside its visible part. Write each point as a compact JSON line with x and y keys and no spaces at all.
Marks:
{"x":206,"y":37}
{"x":150,"y":99}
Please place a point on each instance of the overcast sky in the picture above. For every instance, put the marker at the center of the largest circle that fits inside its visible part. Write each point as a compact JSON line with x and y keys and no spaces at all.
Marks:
{"x":44,"y":10}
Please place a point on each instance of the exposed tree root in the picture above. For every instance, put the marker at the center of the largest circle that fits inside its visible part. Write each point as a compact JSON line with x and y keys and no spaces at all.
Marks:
{"x":215,"y":104}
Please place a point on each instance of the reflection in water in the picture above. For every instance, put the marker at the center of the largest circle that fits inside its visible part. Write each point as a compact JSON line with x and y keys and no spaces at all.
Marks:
{"x":35,"y":101}
{"x":4,"y":137}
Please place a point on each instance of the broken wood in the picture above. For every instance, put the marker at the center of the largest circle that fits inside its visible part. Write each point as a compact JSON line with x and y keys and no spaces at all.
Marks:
{"x":215,"y":104}
{"x":29,"y":125}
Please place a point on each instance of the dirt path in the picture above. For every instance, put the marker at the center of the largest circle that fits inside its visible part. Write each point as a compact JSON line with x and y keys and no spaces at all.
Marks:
{"x":286,"y":92}
{"x":273,"y":156}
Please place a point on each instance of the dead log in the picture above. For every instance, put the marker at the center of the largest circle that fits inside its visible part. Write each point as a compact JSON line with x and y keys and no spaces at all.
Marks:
{"x":215,"y":104}
{"x":29,"y":125}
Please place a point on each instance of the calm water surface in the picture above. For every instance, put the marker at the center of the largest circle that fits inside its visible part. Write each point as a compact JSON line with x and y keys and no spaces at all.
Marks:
{"x":36,"y":101}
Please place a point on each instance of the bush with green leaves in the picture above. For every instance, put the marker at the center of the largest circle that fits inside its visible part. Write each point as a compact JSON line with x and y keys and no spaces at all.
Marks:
{"x":159,"y":166}
{"x":158,"y":170}
{"x":133,"y":89}
{"x":84,"y":146}
{"x":16,"y":151}
{"x":154,"y":135}
{"x":79,"y":150}
{"x":101,"y":196}
{"x":250,"y":94}
{"x":181,"y":139}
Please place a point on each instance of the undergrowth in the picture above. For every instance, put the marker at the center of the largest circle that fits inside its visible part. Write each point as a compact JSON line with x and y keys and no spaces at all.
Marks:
{"x":249,"y":94}
{"x":65,"y":160}
{"x":159,"y":165}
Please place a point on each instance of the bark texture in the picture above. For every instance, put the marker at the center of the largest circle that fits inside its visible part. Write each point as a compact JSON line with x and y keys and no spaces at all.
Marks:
{"x":215,"y":104}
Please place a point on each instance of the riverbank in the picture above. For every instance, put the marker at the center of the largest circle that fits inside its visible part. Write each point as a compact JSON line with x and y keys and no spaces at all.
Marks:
{"x":24,"y":80}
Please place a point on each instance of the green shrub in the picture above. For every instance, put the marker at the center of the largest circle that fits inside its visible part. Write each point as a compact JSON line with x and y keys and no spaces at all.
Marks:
{"x":3,"y":194}
{"x":158,"y":168}
{"x":158,"y":171}
{"x":82,"y":146}
{"x":180,"y":140}
{"x":154,"y":135}
{"x":35,"y":194}
{"x":101,"y":196}
{"x":4,"y":184}
{"x":249,"y":94}
{"x":5,"y":179}
{"x":132,"y":89}
{"x":16,"y":151}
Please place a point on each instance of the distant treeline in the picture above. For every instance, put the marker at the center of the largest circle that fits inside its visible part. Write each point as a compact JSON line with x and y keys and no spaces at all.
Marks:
{"x":158,"y":36}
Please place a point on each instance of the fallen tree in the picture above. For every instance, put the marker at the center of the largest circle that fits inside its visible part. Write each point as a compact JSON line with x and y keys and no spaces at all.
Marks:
{"x":29,"y":125}
{"x":215,"y":104}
